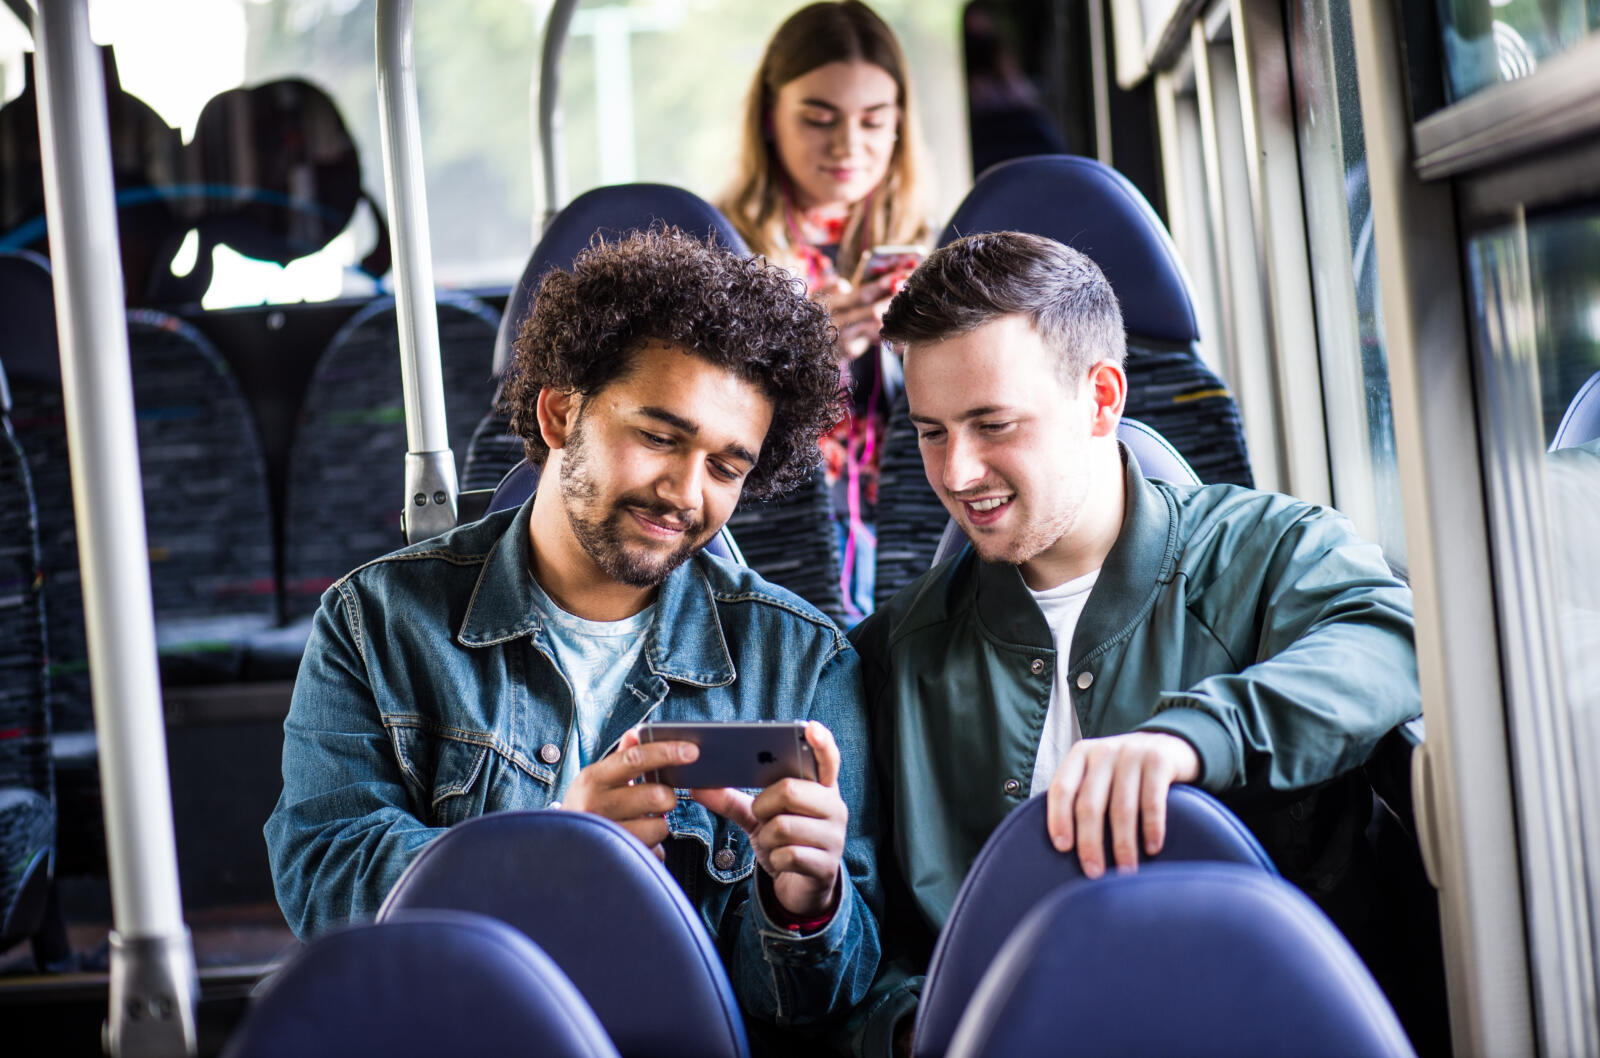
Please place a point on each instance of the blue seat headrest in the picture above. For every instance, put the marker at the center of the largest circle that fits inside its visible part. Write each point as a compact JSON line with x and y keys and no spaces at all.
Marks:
{"x":426,"y":983}
{"x":1095,"y":210}
{"x":614,"y":212}
{"x":521,"y":480}
{"x":1581,"y":423}
{"x":29,"y":348}
{"x":1018,"y":867}
{"x":1204,"y":959}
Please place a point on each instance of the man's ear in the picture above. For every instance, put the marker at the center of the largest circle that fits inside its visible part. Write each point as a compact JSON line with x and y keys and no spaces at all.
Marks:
{"x":1108,"y":389}
{"x":558,"y":414}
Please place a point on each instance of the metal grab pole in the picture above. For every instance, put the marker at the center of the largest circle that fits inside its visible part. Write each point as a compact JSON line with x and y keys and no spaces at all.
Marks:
{"x":552,"y":153}
{"x":153,"y":986}
{"x":430,"y":499}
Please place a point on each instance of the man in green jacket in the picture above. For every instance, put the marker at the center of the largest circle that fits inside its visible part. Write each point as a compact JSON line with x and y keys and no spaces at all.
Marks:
{"x":1106,"y":635}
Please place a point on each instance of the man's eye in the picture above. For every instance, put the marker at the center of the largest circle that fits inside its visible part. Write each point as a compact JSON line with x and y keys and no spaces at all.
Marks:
{"x":725,"y":472}
{"x":655,"y":439}
{"x":995,"y":427}
{"x":930,"y":436}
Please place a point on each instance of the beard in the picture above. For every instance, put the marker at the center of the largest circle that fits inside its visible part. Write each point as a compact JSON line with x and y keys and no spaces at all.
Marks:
{"x":600,"y":533}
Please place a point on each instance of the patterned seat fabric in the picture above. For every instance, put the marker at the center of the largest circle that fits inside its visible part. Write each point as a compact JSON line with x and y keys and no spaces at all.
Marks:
{"x":345,"y":467}
{"x":790,"y":541}
{"x":27,"y":781}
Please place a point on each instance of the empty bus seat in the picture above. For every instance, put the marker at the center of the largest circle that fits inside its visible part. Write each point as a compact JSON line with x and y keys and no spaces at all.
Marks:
{"x":1092,"y":208}
{"x":605,"y":909}
{"x":1197,"y":959}
{"x":27,"y":781}
{"x":789,"y":540}
{"x":430,"y":983}
{"x":345,"y":483}
{"x":1581,"y":423}
{"x":1018,"y":867}
{"x":520,"y":481}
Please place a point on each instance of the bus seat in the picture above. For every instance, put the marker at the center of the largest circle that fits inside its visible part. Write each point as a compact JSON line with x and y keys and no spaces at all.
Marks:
{"x":343,"y":491}
{"x":207,"y":515}
{"x":1197,"y":959}
{"x":1581,"y":423}
{"x":1018,"y":867}
{"x":27,"y":779}
{"x":1092,"y":208}
{"x":520,"y":481}
{"x":605,"y":910}
{"x":428,"y":983}
{"x":790,"y":540}
{"x":1157,"y":459}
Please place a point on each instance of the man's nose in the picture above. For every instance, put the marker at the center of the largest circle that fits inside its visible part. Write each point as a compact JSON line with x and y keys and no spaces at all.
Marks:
{"x":962,"y":467}
{"x":684,"y":485}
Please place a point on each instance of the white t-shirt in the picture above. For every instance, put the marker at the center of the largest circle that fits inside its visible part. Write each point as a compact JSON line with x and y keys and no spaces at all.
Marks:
{"x":1061,"y":605}
{"x":596,"y":657}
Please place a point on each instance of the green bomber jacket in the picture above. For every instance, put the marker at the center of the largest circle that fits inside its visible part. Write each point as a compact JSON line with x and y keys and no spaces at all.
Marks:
{"x":1259,"y":628}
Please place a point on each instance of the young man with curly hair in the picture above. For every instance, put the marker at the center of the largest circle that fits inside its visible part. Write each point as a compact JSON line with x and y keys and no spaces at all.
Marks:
{"x":505,"y":664}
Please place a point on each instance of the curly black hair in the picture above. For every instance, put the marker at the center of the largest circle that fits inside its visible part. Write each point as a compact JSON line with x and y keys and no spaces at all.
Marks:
{"x":739,"y":313}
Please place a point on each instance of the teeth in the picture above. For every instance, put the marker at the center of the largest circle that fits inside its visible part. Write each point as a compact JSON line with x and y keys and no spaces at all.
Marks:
{"x":986,"y":505}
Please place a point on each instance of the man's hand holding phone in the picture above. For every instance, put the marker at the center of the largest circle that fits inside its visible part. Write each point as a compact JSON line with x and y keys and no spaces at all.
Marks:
{"x":615,"y":787}
{"x":797,"y":828}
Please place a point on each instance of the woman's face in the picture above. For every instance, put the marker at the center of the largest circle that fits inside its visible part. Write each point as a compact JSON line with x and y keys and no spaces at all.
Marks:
{"x":835,"y":128}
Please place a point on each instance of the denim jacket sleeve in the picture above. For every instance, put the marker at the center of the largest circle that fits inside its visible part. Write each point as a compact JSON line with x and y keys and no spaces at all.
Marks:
{"x":811,"y":981}
{"x":341,"y":833}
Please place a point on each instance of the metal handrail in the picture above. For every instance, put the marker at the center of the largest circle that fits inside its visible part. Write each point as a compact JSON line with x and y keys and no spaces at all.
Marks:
{"x":552,"y":151}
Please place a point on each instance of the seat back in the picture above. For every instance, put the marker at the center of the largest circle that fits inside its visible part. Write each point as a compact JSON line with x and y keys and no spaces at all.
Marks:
{"x":1018,"y":867}
{"x":601,"y":905}
{"x":27,"y":778}
{"x":521,"y":480}
{"x":343,"y":496}
{"x":1581,"y":423}
{"x":1197,"y":959}
{"x":1157,"y":459}
{"x":1092,"y":208}
{"x":425,"y":984}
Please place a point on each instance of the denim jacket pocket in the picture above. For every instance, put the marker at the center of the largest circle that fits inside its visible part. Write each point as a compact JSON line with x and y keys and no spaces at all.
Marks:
{"x":442,"y":773}
{"x":729,"y":856}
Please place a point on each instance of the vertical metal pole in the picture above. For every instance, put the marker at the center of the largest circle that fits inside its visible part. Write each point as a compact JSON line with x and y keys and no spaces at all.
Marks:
{"x":153,"y":985}
{"x":552,"y":153}
{"x":430,"y":498}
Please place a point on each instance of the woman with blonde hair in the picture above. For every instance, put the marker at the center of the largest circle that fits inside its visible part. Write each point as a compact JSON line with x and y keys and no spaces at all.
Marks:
{"x":829,"y":169}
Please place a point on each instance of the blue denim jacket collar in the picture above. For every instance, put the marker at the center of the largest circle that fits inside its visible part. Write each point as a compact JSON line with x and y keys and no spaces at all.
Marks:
{"x":685,"y":642}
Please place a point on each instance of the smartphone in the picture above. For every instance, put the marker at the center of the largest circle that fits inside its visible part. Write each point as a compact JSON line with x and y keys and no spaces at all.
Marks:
{"x":896,"y":260}
{"x":746,"y":754}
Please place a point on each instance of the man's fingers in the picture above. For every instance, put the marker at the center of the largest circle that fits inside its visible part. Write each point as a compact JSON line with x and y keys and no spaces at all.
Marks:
{"x":1153,"y":805}
{"x":799,"y":797}
{"x":732,"y":805}
{"x":651,"y":831}
{"x":632,"y":762}
{"x":826,"y":751}
{"x":1060,"y":796}
{"x":789,"y":830}
{"x":805,"y":861}
{"x":624,"y":803}
{"x":1126,"y":786}
{"x":1089,"y":813}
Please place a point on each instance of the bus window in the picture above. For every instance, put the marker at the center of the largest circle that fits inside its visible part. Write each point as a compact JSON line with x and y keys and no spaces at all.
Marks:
{"x":1344,"y":272}
{"x":1488,"y":42}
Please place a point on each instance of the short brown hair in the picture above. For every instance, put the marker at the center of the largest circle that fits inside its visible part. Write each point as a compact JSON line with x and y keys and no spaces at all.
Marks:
{"x":737,"y":313}
{"x":978,"y":279}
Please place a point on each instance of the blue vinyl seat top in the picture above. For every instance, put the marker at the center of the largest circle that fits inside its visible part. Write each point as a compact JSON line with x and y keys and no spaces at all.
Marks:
{"x":610,"y":212}
{"x":1095,"y":210}
{"x":425,"y":984}
{"x":521,"y":480}
{"x":601,"y":905}
{"x":1018,"y":867}
{"x":1581,"y":423}
{"x":1198,"y":959}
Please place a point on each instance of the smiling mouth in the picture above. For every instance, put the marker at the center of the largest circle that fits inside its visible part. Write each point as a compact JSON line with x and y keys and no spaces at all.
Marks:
{"x":657,"y":527}
{"x":990,"y":504}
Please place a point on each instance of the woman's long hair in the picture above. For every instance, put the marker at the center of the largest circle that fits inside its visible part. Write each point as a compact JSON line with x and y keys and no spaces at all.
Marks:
{"x":893,"y":212}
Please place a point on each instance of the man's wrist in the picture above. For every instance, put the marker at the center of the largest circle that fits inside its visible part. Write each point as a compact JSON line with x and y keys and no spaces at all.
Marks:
{"x":782,"y":917}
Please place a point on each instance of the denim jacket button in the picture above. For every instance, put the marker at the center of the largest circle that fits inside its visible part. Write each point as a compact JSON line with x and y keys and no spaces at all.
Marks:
{"x":724,"y":859}
{"x":1036,"y":666}
{"x":549,"y":752}
{"x":1012,"y":786}
{"x":1084,"y":679}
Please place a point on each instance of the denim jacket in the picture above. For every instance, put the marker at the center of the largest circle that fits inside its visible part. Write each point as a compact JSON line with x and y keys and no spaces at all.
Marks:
{"x":1261,"y":629}
{"x":428,"y":695}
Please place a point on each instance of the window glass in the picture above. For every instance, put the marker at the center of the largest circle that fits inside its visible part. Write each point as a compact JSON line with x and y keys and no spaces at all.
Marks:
{"x":1536,"y":288}
{"x":1344,"y":272}
{"x":1490,"y":41}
